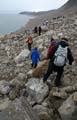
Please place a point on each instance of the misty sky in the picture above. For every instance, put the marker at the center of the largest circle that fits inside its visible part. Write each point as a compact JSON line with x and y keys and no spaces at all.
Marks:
{"x":30,"y":5}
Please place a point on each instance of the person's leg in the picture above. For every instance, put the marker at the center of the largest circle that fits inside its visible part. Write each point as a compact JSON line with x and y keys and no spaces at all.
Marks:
{"x":49,"y":71}
{"x":29,"y":46}
{"x":32,"y":65}
{"x":39,"y":33}
{"x":59,"y":75}
{"x":35,"y":65}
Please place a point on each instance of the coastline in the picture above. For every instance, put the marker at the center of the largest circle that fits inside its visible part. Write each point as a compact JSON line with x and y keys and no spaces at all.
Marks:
{"x":38,"y":20}
{"x":25,"y":27}
{"x":12,"y":22}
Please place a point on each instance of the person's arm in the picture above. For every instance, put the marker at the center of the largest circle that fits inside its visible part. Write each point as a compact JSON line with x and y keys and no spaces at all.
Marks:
{"x":70,"y":57}
{"x":48,"y":52}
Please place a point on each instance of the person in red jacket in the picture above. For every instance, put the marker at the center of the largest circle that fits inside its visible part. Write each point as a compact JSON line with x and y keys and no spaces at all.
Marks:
{"x":29,"y":41}
{"x":53,"y":42}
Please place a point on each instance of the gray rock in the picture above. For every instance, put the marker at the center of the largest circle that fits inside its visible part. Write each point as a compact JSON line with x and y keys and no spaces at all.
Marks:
{"x":21,"y":76}
{"x":58,"y":93}
{"x":4,"y":87}
{"x":68,"y":89}
{"x":19,"y":109}
{"x":43,"y":112}
{"x":4,"y":103}
{"x":21,"y":57}
{"x":15,"y":82}
{"x":69,"y":107}
{"x":37,"y":89}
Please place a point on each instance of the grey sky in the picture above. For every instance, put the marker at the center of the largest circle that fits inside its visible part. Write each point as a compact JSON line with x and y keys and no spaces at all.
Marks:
{"x":30,"y":5}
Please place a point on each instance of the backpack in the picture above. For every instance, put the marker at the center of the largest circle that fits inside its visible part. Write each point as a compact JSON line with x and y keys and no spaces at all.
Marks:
{"x":30,"y":40}
{"x":60,"y":56}
{"x":50,"y":49}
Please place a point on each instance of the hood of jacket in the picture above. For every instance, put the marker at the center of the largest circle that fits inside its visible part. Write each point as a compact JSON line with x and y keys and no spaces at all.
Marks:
{"x":63,"y":43}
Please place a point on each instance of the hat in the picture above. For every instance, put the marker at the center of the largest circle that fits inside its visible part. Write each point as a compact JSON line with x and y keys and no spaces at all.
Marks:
{"x":65,"y":39}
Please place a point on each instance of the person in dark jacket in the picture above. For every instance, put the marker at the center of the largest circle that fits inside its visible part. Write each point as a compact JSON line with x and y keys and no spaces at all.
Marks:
{"x":59,"y":69}
{"x":35,"y":29}
{"x":39,"y":29}
{"x":35,"y":57}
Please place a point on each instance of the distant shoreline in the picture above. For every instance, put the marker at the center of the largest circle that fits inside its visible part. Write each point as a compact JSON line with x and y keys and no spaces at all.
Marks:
{"x":12,"y":23}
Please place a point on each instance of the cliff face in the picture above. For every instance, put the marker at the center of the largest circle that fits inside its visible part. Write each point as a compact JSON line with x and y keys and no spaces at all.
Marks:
{"x":71,"y":4}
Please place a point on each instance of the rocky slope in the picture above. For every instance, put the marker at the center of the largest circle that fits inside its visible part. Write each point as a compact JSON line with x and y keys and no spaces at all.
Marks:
{"x":22,"y":92}
{"x":17,"y":80}
{"x":70,"y":4}
{"x":69,"y":8}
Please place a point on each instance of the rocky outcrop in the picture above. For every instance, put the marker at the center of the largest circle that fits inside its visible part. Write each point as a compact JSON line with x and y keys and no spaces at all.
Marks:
{"x":39,"y":70}
{"x":18,"y":79}
{"x":70,"y":4}
{"x":37,"y":90}
{"x":22,"y":56}
{"x":68,"y":110}
{"x":18,"y":109}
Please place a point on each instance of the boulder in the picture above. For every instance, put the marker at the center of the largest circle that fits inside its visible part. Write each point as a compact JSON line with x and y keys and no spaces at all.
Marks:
{"x":45,"y":116}
{"x":21,"y":57}
{"x":4,"y":103}
{"x":75,"y":21}
{"x":14,"y":93}
{"x":19,"y":109}
{"x":29,"y":73}
{"x":4,"y":87}
{"x":44,"y":28}
{"x":40,"y":47}
{"x":58,"y":93}
{"x":68,"y":89}
{"x":68,"y":109}
{"x":44,"y":53}
{"x":36,"y":89}
{"x":43,"y":112}
{"x":21,"y":76}
{"x":15,"y":82}
{"x":40,"y":69}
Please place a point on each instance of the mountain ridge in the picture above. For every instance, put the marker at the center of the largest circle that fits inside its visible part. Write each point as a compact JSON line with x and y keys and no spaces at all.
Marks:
{"x":40,"y":17}
{"x":70,"y":5}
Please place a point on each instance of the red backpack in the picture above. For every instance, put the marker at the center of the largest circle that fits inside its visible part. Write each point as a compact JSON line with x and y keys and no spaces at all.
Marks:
{"x":30,"y":40}
{"x":50,"y":49}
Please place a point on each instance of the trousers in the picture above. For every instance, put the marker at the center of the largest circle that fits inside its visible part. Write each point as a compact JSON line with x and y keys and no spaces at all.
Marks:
{"x":51,"y":68}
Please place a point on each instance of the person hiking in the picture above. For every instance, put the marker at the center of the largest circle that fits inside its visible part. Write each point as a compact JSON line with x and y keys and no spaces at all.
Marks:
{"x":29,"y":41}
{"x":35,"y":29}
{"x":60,"y":53}
{"x":39,"y":29}
{"x":35,"y":57}
{"x":52,"y":44}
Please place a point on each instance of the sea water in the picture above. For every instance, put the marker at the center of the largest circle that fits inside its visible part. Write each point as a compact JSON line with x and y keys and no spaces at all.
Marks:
{"x":12,"y":22}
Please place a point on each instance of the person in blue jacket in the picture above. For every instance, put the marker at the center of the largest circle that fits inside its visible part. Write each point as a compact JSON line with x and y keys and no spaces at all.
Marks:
{"x":35,"y":57}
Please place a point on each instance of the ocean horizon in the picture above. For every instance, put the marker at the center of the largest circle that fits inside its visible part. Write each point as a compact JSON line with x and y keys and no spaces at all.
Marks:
{"x":12,"y":22}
